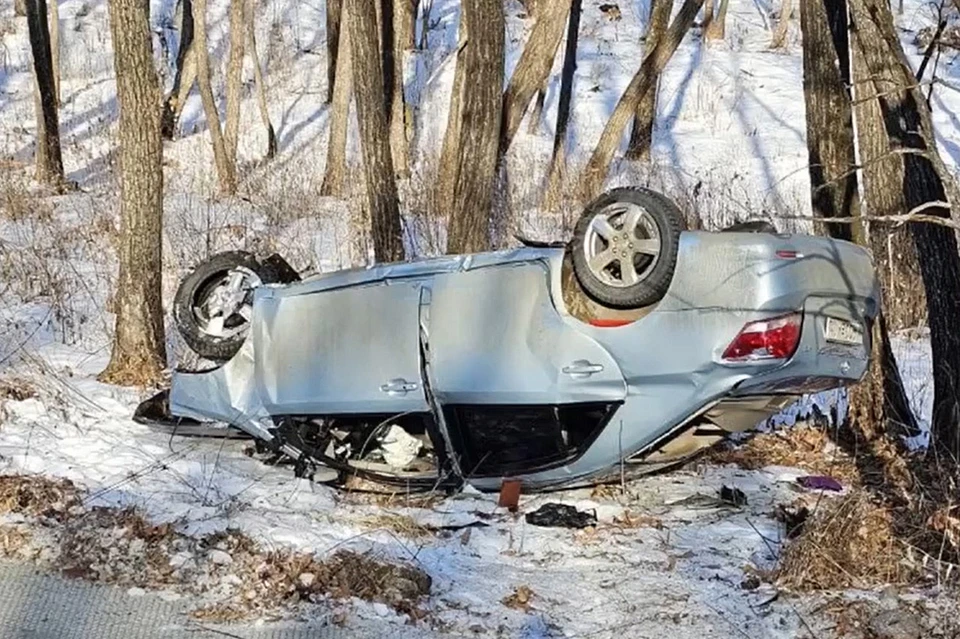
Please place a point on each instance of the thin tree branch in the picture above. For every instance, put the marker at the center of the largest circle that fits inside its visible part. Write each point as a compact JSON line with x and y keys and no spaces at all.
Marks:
{"x":915,"y":215}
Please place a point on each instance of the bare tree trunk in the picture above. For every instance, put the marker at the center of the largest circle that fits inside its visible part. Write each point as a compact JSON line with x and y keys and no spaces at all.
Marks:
{"x":381,"y":185}
{"x":653,"y":64}
{"x":533,"y":68}
{"x":339,"y":120}
{"x":829,"y":120}
{"x":894,"y":253}
{"x":55,"y":46}
{"x":718,"y":25}
{"x":139,"y":354}
{"x":879,"y":404}
{"x":334,"y":40}
{"x":20,"y":8}
{"x":566,"y":81}
{"x":910,"y":131}
{"x":783,"y":24}
{"x":250,"y":20}
{"x":238,"y":33}
{"x":482,"y":60}
{"x":404,"y":28}
{"x":185,"y":76}
{"x":49,"y":160}
{"x":226,"y":170}
{"x":447,"y":171}
{"x":641,"y":137}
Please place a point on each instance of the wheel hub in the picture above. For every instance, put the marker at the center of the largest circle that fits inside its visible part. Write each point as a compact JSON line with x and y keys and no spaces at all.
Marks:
{"x":622,"y":245}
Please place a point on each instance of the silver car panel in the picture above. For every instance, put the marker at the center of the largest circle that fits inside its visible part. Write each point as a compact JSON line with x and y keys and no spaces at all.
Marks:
{"x":494,"y":330}
{"x":496,"y":337}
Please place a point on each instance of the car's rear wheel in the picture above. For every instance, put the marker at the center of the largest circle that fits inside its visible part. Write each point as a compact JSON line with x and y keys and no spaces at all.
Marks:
{"x":625,"y":247}
{"x":214,"y":303}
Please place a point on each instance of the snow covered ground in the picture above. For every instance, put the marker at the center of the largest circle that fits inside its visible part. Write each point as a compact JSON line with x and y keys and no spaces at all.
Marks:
{"x":729,"y":139}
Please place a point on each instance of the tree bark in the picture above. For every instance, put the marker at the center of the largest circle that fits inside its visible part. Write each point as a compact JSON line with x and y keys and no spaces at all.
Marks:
{"x":709,"y":10}
{"x":482,"y":60}
{"x":653,"y":64}
{"x":404,"y":30}
{"x":250,"y":20}
{"x":334,"y":41}
{"x":55,"y":46}
{"x":49,"y":160}
{"x":566,"y":79}
{"x":718,"y":25}
{"x":20,"y":8}
{"x":447,"y":171}
{"x":894,"y":252}
{"x":381,"y":186}
{"x":641,"y":137}
{"x":878,"y":405}
{"x":336,"y":166}
{"x":139,"y":354}
{"x":783,"y":24}
{"x":238,"y":33}
{"x":829,"y":120}
{"x":185,"y":76}
{"x":533,"y":68}
{"x":226,"y":170}
{"x":909,"y":129}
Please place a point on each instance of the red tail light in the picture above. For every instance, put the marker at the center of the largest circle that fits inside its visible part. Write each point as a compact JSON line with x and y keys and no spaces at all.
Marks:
{"x":774,"y":338}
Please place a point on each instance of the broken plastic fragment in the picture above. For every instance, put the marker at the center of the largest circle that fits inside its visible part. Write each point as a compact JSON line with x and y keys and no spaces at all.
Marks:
{"x":399,"y":447}
{"x":561,"y":516}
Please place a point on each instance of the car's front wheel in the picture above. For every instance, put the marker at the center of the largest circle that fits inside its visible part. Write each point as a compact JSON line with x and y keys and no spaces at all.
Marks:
{"x":625,"y":247}
{"x":214,"y":303}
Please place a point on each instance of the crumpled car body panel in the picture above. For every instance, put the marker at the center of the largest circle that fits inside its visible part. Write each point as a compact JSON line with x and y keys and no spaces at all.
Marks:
{"x":491,"y":330}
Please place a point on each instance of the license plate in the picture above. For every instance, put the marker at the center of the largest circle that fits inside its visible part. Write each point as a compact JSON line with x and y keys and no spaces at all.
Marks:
{"x":843,"y":332}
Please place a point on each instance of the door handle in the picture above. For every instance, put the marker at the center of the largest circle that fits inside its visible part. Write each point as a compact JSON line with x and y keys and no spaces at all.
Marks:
{"x":582,"y":368}
{"x":398,"y":386}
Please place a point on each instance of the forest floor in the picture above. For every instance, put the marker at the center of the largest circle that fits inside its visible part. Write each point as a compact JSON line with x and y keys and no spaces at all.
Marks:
{"x":666,"y":553}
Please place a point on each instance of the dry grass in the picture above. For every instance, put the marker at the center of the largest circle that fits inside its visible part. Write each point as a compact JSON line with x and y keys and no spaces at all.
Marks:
{"x":401,"y":525}
{"x":849,"y":542}
{"x":120,"y":546}
{"x":803,"y":446}
{"x":38,"y":496}
{"x":16,"y":389}
{"x":519,"y":599}
{"x":279,"y":579}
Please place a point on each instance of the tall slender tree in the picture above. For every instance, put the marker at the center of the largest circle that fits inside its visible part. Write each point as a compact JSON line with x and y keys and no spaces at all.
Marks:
{"x":186,"y":73}
{"x":925,"y":183}
{"x":641,"y":136}
{"x":250,"y":20}
{"x":879,"y":405}
{"x":653,"y":64}
{"x":226,"y":169}
{"x":139,"y":354}
{"x":49,"y":160}
{"x":381,"y":187}
{"x":336,"y":166}
{"x":55,"y":46}
{"x":480,"y":117}
{"x":334,"y":43}
{"x":558,"y":159}
{"x":238,"y":36}
{"x":533,"y":68}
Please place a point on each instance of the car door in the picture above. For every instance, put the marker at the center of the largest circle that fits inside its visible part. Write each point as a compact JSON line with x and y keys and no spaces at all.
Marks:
{"x":496,"y":338}
{"x":520,"y":386}
{"x":353,"y":350}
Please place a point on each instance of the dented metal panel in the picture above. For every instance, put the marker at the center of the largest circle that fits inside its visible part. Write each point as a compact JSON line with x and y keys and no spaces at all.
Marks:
{"x":496,"y":337}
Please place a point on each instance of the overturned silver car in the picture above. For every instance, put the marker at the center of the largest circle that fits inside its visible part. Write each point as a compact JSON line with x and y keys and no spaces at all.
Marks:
{"x":473,"y":369}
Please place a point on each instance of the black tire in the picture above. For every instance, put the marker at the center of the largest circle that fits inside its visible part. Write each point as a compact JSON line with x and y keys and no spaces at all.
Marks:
{"x":655,"y":279}
{"x":198,"y":284}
